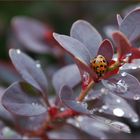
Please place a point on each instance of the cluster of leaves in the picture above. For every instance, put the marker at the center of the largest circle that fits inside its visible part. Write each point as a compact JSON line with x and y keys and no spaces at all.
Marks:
{"x":86,"y":105}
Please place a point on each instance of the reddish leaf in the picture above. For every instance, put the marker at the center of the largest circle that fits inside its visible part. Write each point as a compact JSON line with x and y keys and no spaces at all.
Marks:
{"x":106,"y":49}
{"x":123,"y":45}
{"x":23,"y":99}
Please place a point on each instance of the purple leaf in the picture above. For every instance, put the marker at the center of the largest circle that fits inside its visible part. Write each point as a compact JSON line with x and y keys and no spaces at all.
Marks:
{"x":119,"y":19}
{"x":111,"y":105}
{"x":124,"y":85}
{"x":67,"y":97}
{"x":29,"y":70}
{"x":75,"y":48}
{"x":32,"y":123}
{"x":130,"y":25}
{"x":23,"y":99}
{"x":88,"y":35}
{"x":68,"y":75}
{"x":31,"y":34}
{"x":68,"y":131}
{"x":106,"y":50}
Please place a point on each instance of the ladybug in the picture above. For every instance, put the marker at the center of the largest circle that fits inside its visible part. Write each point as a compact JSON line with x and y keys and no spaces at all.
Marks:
{"x":99,"y":65}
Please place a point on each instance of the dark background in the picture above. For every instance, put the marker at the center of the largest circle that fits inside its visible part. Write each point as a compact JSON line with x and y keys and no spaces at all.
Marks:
{"x":60,"y":14}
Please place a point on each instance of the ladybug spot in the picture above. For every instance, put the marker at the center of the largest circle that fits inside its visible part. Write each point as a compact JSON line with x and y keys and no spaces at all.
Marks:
{"x":101,"y":65}
{"x":104,"y":61}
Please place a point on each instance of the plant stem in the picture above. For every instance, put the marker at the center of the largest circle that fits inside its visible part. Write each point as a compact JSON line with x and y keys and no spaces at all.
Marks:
{"x":85,"y":92}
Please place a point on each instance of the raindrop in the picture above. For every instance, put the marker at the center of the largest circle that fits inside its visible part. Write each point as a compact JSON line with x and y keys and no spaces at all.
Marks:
{"x":38,"y":65}
{"x":118,"y":100}
{"x":121,"y":127}
{"x":105,"y":107}
{"x":100,"y":110}
{"x":136,"y":97}
{"x":86,"y":78}
{"x":120,"y":86}
{"x":62,"y":109}
{"x":135,"y":119}
{"x":118,"y":112}
{"x":134,"y":67}
{"x":80,"y":118}
{"x":77,"y":124}
{"x":18,"y":51}
{"x":124,"y":74}
{"x":78,"y":102}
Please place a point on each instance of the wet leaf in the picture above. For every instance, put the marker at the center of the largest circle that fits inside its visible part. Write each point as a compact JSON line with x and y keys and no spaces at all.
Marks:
{"x":75,"y":48}
{"x":130,"y":25}
{"x":88,"y":35}
{"x":111,"y":105}
{"x":29,"y":70}
{"x":32,"y":123}
{"x":68,"y":75}
{"x":68,"y":131}
{"x":67,"y":97}
{"x":124,"y":85}
{"x":106,"y":50}
{"x":23,"y":99}
{"x":31,"y":34}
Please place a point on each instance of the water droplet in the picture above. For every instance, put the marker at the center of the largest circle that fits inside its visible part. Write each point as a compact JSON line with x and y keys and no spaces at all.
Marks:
{"x":120,"y":86}
{"x":84,"y":104}
{"x":80,"y":118}
{"x":124,"y":74}
{"x":134,"y":67}
{"x":38,"y":65}
{"x":135,"y":119}
{"x":62,"y":109}
{"x":18,"y":51}
{"x":136,"y":97}
{"x":121,"y":127}
{"x":78,"y":102}
{"x":105,"y":107}
{"x":118,"y":112}
{"x":77,"y":124}
{"x":86,"y":78}
{"x":100,"y":110}
{"x":118,"y":100}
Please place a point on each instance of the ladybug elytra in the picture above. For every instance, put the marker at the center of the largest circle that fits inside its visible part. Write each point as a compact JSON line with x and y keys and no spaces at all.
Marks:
{"x":99,"y":65}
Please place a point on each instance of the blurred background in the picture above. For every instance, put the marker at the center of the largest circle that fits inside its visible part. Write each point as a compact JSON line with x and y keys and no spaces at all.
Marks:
{"x":59,"y":14}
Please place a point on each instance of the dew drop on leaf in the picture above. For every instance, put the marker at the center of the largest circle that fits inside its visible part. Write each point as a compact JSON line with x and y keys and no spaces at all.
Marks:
{"x":86,"y":78}
{"x":123,"y":73}
{"x":136,"y":97}
{"x":38,"y":65}
{"x":135,"y":119}
{"x":118,"y":112}
{"x":18,"y":51}
{"x":104,"y":107}
{"x":120,"y":126}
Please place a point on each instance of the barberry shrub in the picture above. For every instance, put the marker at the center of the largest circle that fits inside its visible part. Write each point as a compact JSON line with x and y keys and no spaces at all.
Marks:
{"x":97,"y":96}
